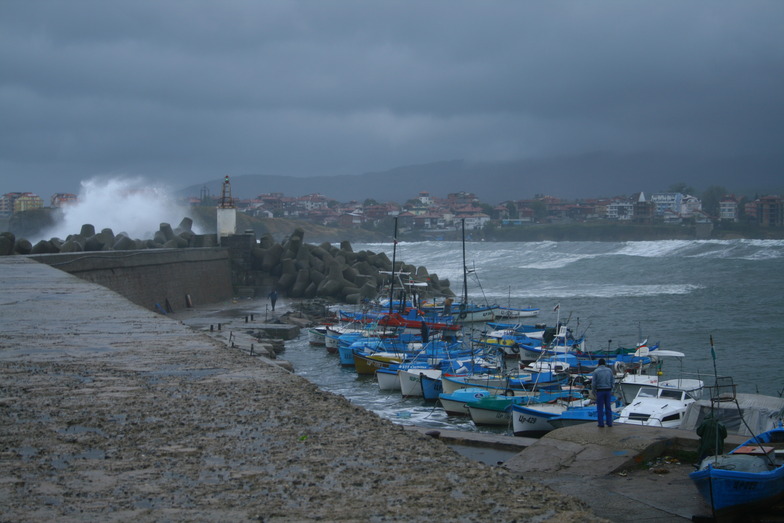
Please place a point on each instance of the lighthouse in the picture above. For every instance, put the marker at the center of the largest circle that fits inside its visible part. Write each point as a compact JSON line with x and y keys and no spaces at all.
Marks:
{"x":227,"y":213}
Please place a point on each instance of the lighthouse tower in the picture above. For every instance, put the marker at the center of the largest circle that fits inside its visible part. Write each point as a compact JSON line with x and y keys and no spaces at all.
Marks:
{"x":227,"y":213}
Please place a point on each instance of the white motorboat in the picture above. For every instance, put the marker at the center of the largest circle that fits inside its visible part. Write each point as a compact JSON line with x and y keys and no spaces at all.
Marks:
{"x":663,"y":405}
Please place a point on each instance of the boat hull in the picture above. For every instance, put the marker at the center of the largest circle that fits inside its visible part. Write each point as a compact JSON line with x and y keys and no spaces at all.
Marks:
{"x":481,"y":416}
{"x":387,"y":379}
{"x":731,"y":492}
{"x":317,"y":335}
{"x":534,"y":422}
{"x":368,"y":365}
{"x":481,"y":315}
{"x":431,"y":387}
{"x":410,"y":380}
{"x":456,"y":403}
{"x":755,"y":482}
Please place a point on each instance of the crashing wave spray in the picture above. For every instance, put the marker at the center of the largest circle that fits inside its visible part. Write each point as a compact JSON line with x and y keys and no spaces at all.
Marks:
{"x":132,"y":206}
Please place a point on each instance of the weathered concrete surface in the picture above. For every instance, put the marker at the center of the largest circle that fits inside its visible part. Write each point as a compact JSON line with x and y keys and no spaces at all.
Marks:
{"x":609,"y":469}
{"x":588,"y":451}
{"x":111,"y":412}
{"x":153,"y":277}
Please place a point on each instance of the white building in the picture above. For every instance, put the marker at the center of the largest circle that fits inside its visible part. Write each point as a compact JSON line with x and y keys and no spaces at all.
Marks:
{"x":620,"y":210}
{"x":683,"y":205}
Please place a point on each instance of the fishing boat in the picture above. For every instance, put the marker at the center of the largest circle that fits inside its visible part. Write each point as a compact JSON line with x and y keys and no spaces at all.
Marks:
{"x":410,"y":380}
{"x":631,"y":382}
{"x":366,"y":364}
{"x":511,"y":313}
{"x":507,"y":341}
{"x":508,"y":384}
{"x":455,"y":403}
{"x":537,"y":330}
{"x":748,"y":478}
{"x":472,"y":313}
{"x":387,"y":377}
{"x":497,"y":410}
{"x":431,"y":387}
{"x":533,"y":421}
{"x":563,"y":342}
{"x":317,"y":335}
{"x":579,"y":415}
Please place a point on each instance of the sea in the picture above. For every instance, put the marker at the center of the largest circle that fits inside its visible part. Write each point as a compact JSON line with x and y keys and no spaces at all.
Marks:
{"x":720,"y":302}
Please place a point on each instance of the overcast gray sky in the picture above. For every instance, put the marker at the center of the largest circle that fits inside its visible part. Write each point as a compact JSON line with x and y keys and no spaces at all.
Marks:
{"x":187,"y":91}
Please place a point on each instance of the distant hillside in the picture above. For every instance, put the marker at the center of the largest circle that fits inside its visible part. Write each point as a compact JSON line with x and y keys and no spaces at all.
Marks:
{"x":584,"y":176}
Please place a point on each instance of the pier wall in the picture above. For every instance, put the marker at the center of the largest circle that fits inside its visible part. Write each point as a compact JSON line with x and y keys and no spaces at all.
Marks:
{"x":155,"y":279}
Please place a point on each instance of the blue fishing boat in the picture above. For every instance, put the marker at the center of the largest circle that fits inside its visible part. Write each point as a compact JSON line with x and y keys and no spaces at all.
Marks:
{"x":579,"y":415}
{"x":748,"y":478}
{"x":431,"y":387}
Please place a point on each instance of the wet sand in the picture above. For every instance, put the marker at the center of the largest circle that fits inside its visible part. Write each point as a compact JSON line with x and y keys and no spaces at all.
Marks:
{"x":111,"y":412}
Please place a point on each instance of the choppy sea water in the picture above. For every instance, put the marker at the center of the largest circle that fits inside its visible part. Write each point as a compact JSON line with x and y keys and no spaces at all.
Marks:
{"x":676,"y":293}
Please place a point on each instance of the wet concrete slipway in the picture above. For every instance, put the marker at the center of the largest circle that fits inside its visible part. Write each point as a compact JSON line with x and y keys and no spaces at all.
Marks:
{"x":110,"y":412}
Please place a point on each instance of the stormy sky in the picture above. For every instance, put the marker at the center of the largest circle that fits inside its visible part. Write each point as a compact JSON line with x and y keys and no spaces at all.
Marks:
{"x":183,"y":92}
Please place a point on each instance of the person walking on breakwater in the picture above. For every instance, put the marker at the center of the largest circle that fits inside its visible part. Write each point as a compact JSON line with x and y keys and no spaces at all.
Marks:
{"x":273,"y":297}
{"x":602,"y":383}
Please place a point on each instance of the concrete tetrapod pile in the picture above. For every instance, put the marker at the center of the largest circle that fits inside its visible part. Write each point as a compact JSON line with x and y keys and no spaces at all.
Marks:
{"x":301,"y":270}
{"x":106,"y":240}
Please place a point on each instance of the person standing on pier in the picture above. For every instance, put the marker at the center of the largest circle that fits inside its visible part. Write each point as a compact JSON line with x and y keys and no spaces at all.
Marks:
{"x":602,"y":383}
{"x":273,"y":297}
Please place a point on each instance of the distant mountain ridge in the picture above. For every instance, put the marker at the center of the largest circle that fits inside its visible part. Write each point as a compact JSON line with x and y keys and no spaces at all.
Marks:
{"x":571,"y":177}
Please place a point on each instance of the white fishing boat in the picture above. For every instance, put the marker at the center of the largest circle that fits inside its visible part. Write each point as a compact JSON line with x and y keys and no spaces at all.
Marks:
{"x":317,"y":335}
{"x":334,"y":332}
{"x":476,"y":314}
{"x":533,"y":421}
{"x":510,"y":313}
{"x":410,"y":380}
{"x":387,"y":379}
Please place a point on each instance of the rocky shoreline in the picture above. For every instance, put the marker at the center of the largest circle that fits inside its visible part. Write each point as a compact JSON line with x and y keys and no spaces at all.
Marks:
{"x":114,"y":413}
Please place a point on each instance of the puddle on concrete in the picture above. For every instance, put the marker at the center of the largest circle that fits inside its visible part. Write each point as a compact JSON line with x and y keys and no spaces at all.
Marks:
{"x":26,"y":452}
{"x":62,"y":461}
{"x":81,"y":429}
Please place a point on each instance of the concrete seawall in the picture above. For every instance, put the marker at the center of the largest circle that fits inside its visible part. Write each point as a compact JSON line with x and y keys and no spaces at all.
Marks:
{"x":151,"y":277}
{"x":111,"y":412}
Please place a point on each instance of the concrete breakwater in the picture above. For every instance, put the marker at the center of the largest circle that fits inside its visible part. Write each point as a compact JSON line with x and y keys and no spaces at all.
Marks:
{"x":157,"y":279}
{"x":114,"y":413}
{"x":292,"y":267}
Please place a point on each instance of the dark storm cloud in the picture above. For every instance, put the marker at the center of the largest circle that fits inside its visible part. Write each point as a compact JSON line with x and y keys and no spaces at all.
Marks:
{"x":187,"y":91}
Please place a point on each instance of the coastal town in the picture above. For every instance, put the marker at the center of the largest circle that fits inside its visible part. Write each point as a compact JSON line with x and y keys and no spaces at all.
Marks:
{"x":426,"y":211}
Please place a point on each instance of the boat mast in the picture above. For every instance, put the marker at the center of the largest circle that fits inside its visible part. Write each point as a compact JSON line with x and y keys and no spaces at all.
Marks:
{"x":465,"y":270}
{"x":392,"y":279}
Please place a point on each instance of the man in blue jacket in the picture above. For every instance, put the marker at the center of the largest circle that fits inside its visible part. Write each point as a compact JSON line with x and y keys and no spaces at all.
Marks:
{"x":602,"y":383}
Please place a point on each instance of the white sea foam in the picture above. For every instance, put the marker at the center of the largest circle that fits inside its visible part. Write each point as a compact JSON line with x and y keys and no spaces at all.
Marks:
{"x":737,"y":249}
{"x":587,"y":290}
{"x":130,"y":205}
